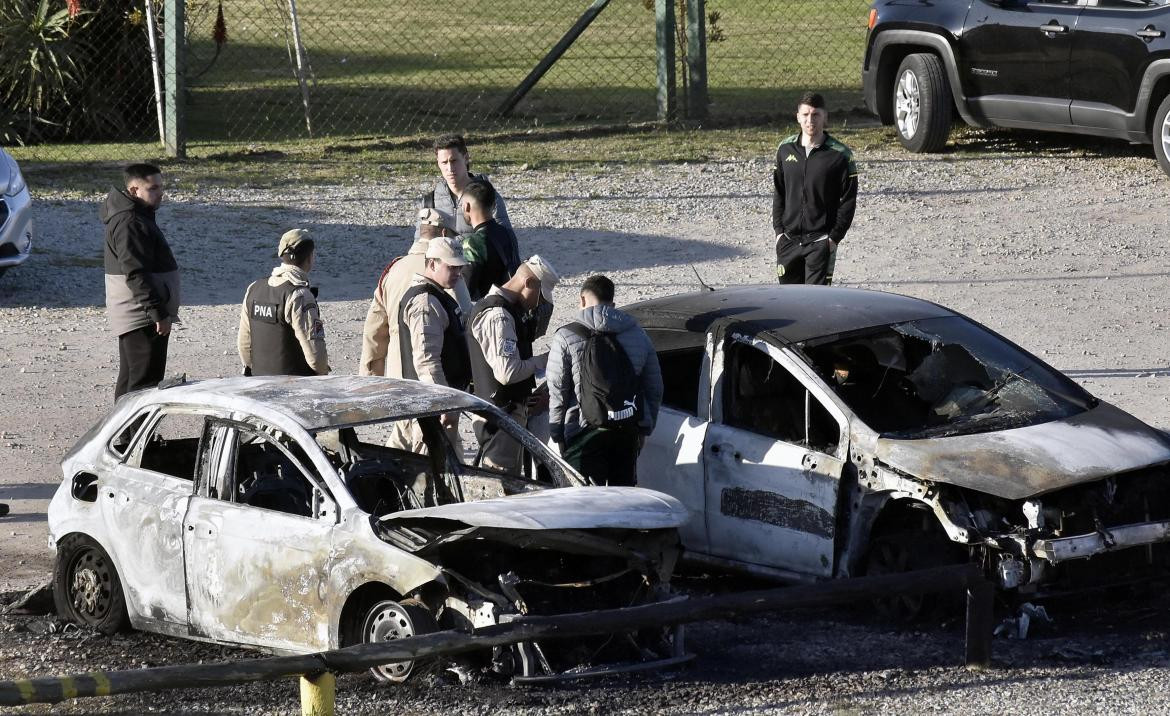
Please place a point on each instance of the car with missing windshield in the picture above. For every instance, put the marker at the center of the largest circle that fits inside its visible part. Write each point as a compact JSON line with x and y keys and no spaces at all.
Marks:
{"x":818,"y":432}
{"x":270,"y":513}
{"x":16,"y":224}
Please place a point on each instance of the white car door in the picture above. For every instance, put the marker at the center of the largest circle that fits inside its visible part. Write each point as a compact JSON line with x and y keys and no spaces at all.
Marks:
{"x":143,"y":504}
{"x":774,"y":454}
{"x":258,"y":540}
{"x":671,"y":460}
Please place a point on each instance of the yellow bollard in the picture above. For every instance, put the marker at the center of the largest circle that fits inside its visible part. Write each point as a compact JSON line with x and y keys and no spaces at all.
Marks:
{"x":317,"y":694}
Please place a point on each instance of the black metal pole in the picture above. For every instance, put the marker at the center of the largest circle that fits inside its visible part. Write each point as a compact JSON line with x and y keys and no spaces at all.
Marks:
{"x":550,"y":59}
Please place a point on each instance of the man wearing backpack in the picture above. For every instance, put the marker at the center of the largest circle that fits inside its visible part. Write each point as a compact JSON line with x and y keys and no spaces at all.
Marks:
{"x":605,"y":387}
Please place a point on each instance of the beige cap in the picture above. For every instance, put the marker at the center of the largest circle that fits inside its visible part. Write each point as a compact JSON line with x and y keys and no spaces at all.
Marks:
{"x":546,"y":273}
{"x":431,"y":216}
{"x":447,"y":250}
{"x":292,"y":239}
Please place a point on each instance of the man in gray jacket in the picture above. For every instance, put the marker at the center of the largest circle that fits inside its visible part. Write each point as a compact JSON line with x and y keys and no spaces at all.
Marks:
{"x":142,"y":279}
{"x":607,"y":454}
{"x":454,"y":162}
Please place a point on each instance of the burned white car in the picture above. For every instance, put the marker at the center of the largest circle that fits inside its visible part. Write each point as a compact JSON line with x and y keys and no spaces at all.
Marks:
{"x":269,"y":512}
{"x":820,"y":432}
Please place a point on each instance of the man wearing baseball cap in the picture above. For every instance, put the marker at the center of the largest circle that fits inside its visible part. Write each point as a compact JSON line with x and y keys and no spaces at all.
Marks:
{"x":431,"y":341}
{"x":280,"y":324}
{"x":380,"y":354}
{"x":503,"y":367}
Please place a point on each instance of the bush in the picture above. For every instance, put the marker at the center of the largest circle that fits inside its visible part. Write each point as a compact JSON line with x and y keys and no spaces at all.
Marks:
{"x":67,"y":73}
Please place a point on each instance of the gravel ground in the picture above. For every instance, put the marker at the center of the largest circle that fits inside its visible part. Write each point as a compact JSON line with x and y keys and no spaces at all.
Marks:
{"x":1063,"y":251}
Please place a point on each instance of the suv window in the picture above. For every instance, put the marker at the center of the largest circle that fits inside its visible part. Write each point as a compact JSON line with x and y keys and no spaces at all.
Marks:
{"x":172,"y":447}
{"x":761,"y":396}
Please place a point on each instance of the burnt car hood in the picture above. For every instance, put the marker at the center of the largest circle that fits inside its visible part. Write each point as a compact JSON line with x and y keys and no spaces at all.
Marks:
{"x":1025,"y":462}
{"x":562,"y":508}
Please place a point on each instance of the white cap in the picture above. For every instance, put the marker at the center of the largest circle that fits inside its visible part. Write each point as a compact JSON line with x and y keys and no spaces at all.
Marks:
{"x":546,"y":273}
{"x":447,"y":250}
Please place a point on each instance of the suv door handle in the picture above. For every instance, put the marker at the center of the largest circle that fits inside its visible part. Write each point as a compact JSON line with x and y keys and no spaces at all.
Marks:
{"x":1150,"y":33}
{"x":1055,"y":27}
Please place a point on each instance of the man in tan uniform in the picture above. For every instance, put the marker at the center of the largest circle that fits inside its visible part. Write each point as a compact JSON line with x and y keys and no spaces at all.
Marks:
{"x":502,"y":364}
{"x":432,"y":344}
{"x":380,"y":354}
{"x":281,"y":332}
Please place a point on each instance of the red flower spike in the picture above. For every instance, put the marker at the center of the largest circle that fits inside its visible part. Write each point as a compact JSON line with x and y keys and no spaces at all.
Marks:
{"x":219,"y":32}
{"x":74,"y":7}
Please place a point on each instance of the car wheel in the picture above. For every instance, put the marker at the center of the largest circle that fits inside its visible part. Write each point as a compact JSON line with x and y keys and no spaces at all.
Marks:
{"x":908,"y":551}
{"x":1161,"y":134}
{"x":86,"y":588}
{"x":387,"y":620}
{"x":922,"y":103}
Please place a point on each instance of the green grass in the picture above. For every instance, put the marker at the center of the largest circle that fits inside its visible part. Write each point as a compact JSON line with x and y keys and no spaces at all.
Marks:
{"x":384,"y":69}
{"x":326,"y":162}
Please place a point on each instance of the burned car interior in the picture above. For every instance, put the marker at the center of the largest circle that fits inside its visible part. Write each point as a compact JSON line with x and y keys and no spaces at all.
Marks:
{"x":386,"y":472}
{"x":941,"y":376}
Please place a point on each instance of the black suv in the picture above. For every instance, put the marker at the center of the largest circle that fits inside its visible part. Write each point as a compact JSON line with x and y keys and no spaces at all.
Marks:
{"x":1098,"y":67}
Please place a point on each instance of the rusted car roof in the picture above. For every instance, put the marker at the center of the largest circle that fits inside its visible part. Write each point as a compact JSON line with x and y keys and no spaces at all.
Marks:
{"x":792,"y":313}
{"x":325,"y":401}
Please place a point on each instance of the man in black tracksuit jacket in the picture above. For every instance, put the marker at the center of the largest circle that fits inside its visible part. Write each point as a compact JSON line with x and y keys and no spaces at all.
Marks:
{"x":815,"y":195}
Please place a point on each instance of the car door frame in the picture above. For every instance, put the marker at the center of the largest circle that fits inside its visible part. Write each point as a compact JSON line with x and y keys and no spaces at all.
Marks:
{"x":257,"y":576}
{"x":146,"y":509}
{"x":671,"y":460}
{"x":763,"y":524}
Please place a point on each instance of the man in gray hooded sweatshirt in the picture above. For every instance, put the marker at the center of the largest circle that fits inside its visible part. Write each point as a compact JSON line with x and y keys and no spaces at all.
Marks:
{"x":607,"y":455}
{"x":142,"y":279}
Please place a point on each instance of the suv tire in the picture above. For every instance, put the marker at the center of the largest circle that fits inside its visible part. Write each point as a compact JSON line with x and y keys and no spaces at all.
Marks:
{"x":1161,"y":134}
{"x":921,"y":103}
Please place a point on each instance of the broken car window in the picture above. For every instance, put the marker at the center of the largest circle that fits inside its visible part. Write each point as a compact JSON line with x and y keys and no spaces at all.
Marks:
{"x":387,"y":465}
{"x":763,"y":397}
{"x":394,"y":465}
{"x":172,"y":447}
{"x":267,"y":478}
{"x":680,"y":378}
{"x":121,"y":441}
{"x":942,"y":376}
{"x":680,"y":356}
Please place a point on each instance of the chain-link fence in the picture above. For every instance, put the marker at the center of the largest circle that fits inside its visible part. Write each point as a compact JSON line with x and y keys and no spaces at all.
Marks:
{"x":275,"y":70}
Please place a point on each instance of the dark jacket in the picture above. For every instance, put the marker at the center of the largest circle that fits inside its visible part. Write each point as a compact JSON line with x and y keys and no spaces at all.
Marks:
{"x":275,"y":347}
{"x":142,"y":278}
{"x":492,"y":256}
{"x":814,"y":195}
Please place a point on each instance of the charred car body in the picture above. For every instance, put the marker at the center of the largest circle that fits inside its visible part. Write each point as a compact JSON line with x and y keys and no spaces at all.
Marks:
{"x":820,"y":432}
{"x":269,"y":512}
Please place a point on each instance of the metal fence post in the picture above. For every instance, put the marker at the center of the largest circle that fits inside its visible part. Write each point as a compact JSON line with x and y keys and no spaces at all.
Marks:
{"x":697,"y":59}
{"x":664,"y":25}
{"x":174,"y":19}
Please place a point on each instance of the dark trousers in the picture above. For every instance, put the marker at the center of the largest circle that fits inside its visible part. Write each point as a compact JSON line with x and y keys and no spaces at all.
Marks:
{"x":607,"y":457}
{"x":498,"y":449}
{"x":142,"y":360}
{"x":802,"y":263}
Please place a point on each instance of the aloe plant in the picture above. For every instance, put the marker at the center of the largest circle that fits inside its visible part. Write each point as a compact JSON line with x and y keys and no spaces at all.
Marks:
{"x":42,"y":63}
